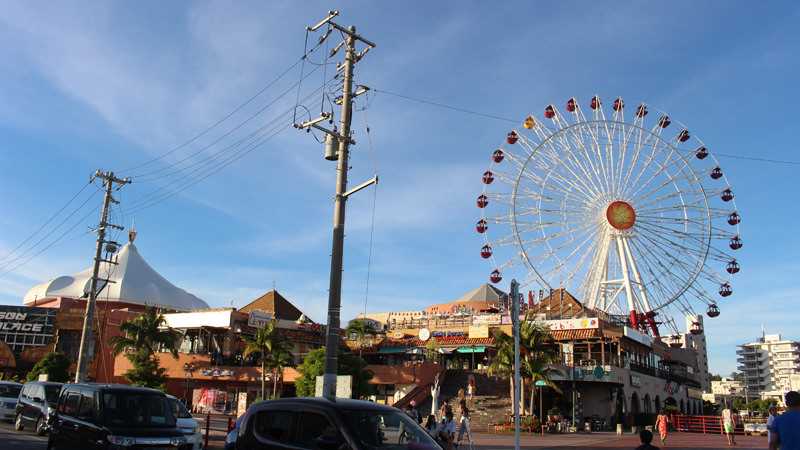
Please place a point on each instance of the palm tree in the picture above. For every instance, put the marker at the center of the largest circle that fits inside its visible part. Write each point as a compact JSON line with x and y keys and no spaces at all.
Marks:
{"x":361,"y":329}
{"x":145,"y":335}
{"x":279,"y":358}
{"x":272,"y":350}
{"x":538,"y":355}
{"x":503,"y":362}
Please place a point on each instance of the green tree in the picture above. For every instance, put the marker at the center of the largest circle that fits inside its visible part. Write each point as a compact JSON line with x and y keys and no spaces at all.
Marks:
{"x":360,"y":329}
{"x":349,"y":364}
{"x":715,"y":377}
{"x":273,"y":353}
{"x":503,"y":362}
{"x":55,"y":365}
{"x":538,"y":354}
{"x":142,"y":338}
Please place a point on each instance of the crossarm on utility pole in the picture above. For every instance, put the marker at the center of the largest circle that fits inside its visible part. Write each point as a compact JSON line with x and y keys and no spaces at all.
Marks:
{"x":368,"y":183}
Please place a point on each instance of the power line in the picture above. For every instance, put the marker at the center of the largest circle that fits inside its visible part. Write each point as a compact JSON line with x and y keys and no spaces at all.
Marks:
{"x":506,"y":119}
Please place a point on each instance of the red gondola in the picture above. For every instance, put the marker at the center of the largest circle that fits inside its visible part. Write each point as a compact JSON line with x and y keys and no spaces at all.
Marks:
{"x":482,"y":201}
{"x":713,"y":310}
{"x":481,"y":226}
{"x":736,"y":243}
{"x":495,"y":276}
{"x":734,"y":218}
{"x":641,"y":110}
{"x":664,"y":121}
{"x":512,"y":137}
{"x":571,"y":105}
{"x":725,"y":290}
{"x":488,"y":177}
{"x":486,"y":251}
{"x":716,"y":173}
{"x":701,"y":153}
{"x":595,"y":103}
{"x":732,"y":267}
{"x":683,"y":136}
{"x":618,"y":104}
{"x":498,"y":155}
{"x":727,"y":195}
{"x":549,"y":112}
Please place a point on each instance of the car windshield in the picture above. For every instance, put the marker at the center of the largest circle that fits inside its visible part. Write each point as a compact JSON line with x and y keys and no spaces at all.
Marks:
{"x":51,"y":392}
{"x":178,"y":409}
{"x":9,"y":390}
{"x":388,"y":430}
{"x":137,"y":409}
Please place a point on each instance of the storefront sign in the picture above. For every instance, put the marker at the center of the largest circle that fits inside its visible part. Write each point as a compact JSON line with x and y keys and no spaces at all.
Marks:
{"x":636,"y":380}
{"x":258,"y":319}
{"x":424,"y":334}
{"x":398,"y":335}
{"x":694,"y":393}
{"x":638,"y":336}
{"x":26,"y":326}
{"x":479,"y":331}
{"x":216,"y":372}
{"x":487,"y":319}
{"x":448,"y":333}
{"x":573,"y":324}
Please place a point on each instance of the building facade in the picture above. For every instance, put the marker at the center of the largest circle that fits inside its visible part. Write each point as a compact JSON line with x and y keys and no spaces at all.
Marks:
{"x":767,"y":365}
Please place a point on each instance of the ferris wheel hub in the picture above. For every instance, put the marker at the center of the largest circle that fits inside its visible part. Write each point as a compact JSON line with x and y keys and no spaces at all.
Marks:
{"x":620,"y":215}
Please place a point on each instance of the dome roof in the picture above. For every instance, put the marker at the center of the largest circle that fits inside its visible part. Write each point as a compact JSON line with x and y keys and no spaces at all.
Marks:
{"x":132,"y":281}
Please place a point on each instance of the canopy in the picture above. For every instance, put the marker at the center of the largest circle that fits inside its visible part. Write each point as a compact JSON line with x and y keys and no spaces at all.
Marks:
{"x":473,"y":349}
{"x":393,"y":350}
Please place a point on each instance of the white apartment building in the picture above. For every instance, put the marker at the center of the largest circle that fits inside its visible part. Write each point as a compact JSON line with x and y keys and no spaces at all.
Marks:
{"x":768,"y":364}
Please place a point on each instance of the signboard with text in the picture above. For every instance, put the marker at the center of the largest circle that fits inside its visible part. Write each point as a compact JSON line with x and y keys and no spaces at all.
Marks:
{"x":583,"y":323}
{"x":26,"y":326}
{"x":258,"y":319}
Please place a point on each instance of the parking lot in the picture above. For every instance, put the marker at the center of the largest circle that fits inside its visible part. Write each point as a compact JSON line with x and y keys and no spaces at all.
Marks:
{"x":20,"y":440}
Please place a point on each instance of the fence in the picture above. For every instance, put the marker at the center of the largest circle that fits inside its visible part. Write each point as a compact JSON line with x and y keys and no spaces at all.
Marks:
{"x":217,"y":424}
{"x":702,"y":424}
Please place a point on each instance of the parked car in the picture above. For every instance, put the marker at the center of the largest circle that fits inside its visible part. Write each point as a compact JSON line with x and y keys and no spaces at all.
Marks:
{"x":112,"y":417}
{"x":9,"y":393}
{"x":755,"y":429}
{"x":186,"y":423}
{"x":35,"y":402}
{"x":317,"y":423}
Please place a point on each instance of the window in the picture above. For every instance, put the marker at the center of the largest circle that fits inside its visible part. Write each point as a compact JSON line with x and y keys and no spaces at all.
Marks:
{"x":70,"y":404}
{"x":86,"y":409}
{"x":51,"y":392}
{"x":137,"y":409}
{"x":24,"y":394}
{"x":273,"y":425}
{"x":10,"y":390}
{"x":313,"y":428}
{"x":179,"y":410}
{"x":388,"y":430}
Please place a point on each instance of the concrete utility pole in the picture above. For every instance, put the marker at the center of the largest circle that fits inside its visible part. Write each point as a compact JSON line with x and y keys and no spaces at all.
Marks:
{"x":87,"y":338}
{"x":341,"y":155}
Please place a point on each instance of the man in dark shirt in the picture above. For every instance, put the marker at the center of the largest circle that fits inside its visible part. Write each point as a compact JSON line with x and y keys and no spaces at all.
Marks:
{"x":646,"y":437}
{"x":785,"y":431}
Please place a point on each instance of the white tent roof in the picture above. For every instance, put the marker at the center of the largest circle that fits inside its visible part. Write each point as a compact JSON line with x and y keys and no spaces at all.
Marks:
{"x":133,"y":281}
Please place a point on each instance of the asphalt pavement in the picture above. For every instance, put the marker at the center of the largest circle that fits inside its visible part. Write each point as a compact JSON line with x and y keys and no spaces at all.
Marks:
{"x":20,"y":440}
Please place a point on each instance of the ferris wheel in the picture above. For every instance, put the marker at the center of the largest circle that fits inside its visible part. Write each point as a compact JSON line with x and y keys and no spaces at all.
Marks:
{"x":632,"y":215}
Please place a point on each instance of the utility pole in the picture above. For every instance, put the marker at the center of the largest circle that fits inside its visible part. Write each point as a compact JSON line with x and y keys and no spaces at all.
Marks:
{"x":341,"y":154}
{"x":87,"y":339}
{"x":514,"y":294}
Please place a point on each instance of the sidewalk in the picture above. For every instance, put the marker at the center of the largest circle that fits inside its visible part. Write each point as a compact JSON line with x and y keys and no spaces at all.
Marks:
{"x":676,"y":441}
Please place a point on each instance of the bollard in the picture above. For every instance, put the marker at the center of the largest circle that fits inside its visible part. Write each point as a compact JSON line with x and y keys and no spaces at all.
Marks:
{"x":208,"y":425}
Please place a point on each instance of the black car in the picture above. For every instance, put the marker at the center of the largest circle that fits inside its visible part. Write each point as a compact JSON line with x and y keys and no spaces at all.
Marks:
{"x":113,"y":417}
{"x":36,"y":400}
{"x":320,"y":424}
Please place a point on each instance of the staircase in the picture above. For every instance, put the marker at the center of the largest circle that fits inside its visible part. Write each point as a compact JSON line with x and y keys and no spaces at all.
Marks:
{"x":491,"y":403}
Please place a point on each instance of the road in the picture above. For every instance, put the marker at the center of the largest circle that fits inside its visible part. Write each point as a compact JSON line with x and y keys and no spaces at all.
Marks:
{"x":20,"y":440}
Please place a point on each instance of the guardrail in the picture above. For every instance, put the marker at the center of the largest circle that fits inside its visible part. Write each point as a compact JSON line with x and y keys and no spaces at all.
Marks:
{"x":702,"y":424}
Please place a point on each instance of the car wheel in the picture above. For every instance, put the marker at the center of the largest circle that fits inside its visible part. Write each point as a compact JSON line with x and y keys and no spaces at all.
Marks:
{"x":40,"y":426}
{"x":18,"y":424}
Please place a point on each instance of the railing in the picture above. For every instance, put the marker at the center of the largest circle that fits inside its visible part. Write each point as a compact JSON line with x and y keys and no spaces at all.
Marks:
{"x":702,"y":424}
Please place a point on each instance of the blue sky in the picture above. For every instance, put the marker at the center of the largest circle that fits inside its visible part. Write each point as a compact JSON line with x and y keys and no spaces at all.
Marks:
{"x":112,"y":84}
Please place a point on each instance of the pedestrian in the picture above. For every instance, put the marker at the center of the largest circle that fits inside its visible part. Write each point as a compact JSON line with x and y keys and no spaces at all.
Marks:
{"x":446,"y":431}
{"x":412,"y":411}
{"x":662,"y":422}
{"x":430,"y":425}
{"x":773,"y":414}
{"x":786,"y":427}
{"x":728,"y":422}
{"x":464,"y":423}
{"x":646,"y":437}
{"x":471,"y":387}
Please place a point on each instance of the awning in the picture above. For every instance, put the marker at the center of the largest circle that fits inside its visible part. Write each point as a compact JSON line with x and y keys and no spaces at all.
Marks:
{"x":393,"y":350}
{"x":414,"y":351}
{"x":445,"y":351}
{"x":473,"y":349}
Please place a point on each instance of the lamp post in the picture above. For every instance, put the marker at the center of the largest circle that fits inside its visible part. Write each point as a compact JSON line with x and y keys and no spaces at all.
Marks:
{"x":188,"y":368}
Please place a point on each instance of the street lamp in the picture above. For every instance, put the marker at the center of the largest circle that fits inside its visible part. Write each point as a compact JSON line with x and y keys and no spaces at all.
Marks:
{"x":188,"y":368}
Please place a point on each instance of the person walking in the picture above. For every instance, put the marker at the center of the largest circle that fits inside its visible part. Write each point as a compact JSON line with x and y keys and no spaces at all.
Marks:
{"x":412,"y":411}
{"x":662,"y":425}
{"x":773,"y":414}
{"x":785,"y":431}
{"x":464,"y":424}
{"x":446,"y":431}
{"x":430,"y":425}
{"x":728,"y":422}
